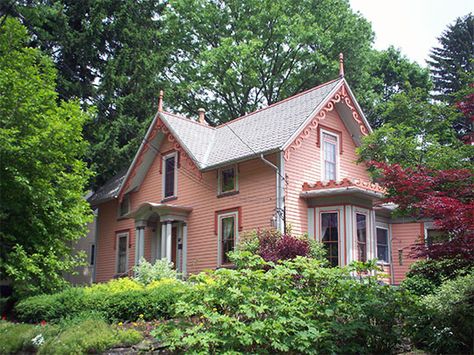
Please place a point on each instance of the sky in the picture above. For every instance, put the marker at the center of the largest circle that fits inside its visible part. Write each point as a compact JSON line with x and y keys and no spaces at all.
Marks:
{"x":413,"y":26}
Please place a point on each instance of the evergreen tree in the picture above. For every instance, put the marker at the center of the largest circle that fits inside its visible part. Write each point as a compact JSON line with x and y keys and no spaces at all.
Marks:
{"x":453,"y":59}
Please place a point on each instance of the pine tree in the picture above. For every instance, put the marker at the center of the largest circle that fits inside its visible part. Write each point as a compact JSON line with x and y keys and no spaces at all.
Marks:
{"x":453,"y":59}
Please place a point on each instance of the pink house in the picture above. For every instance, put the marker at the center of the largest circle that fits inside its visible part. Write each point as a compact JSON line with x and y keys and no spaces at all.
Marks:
{"x":192,"y":189}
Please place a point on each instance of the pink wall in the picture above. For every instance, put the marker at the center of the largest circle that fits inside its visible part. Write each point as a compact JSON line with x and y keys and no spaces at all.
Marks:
{"x":256,"y":199}
{"x":304,"y":165}
{"x":403,"y":237}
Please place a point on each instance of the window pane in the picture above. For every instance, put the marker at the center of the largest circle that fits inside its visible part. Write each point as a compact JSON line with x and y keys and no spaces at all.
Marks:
{"x":92,"y":259}
{"x":227,"y":237}
{"x":382,"y":244}
{"x":329,"y":232}
{"x":122,"y":255}
{"x":329,"y":153}
{"x":228,"y":179}
{"x":361,"y":220}
{"x":435,"y":236}
{"x":169,"y":176}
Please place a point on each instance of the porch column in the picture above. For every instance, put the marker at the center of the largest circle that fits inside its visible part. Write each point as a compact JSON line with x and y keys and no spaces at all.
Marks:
{"x":139,"y":241}
{"x":163,"y":240}
{"x":185,"y":248}
{"x":168,"y":241}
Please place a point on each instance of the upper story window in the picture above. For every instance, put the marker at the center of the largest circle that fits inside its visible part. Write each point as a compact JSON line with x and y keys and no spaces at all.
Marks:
{"x":382,"y":245}
{"x":330,"y":236}
{"x":124,"y":207}
{"x":227,"y":233}
{"x":170,"y":164}
{"x":330,"y":144}
{"x":228,"y":180}
{"x":361,"y":220}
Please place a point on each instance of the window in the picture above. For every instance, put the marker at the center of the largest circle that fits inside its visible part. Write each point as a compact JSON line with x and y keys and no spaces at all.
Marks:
{"x":124,"y":207}
{"x":122,"y":253}
{"x":329,"y":144}
{"x":169,"y":175}
{"x":228,"y":180}
{"x":382,"y":245}
{"x":434,"y":236}
{"x":329,"y":236}
{"x":92,"y":255}
{"x":227,"y":235}
{"x":361,"y":220}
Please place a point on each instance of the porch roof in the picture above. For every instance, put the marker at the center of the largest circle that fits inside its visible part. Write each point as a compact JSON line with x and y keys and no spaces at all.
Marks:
{"x":167,"y":212}
{"x":346,"y":186}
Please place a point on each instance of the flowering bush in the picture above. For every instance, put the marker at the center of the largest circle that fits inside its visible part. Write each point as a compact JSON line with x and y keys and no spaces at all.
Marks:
{"x":146,"y":272}
{"x":272,"y":246}
{"x":295,"y":306}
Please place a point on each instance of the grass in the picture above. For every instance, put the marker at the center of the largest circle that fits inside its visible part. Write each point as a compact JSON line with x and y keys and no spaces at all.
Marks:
{"x":73,"y":336}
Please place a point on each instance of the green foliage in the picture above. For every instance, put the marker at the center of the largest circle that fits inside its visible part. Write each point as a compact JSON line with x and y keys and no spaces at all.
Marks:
{"x":445,"y":321}
{"x":109,"y":54}
{"x":297,"y":306}
{"x":146,"y":272}
{"x":236,"y":56}
{"x":42,"y":209}
{"x":453,"y":58}
{"x":79,"y":336}
{"x":425,"y":276}
{"x":117,"y":300}
{"x":419,"y":133}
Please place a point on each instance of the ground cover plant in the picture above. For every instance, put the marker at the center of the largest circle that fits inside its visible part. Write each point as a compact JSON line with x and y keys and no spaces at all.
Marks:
{"x":74,"y":336}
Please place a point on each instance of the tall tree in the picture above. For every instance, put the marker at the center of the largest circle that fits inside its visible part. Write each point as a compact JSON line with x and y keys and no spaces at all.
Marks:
{"x":453,"y":58}
{"x":108,"y":54}
{"x":235,"y":56}
{"x":42,"y":205}
{"x":419,"y":133}
{"x":388,"y":74}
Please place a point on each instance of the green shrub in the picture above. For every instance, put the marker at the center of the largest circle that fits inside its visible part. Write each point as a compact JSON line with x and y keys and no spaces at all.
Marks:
{"x":445,"y":320}
{"x":146,"y":272}
{"x":116,"y":300}
{"x":89,"y":336}
{"x":296,"y":306}
{"x":425,"y":276}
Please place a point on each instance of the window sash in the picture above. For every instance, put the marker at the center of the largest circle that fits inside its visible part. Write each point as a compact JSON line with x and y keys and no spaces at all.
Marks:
{"x":382,"y":245}
{"x":170,"y":166}
{"x":361,"y":224}
{"x":330,"y":236}
{"x":227,"y":237}
{"x":330,"y":156}
{"x":122,"y":254}
{"x":228,"y":179}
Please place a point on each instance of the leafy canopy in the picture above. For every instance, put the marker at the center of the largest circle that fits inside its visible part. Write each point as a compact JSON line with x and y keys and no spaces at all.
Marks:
{"x":42,"y":209}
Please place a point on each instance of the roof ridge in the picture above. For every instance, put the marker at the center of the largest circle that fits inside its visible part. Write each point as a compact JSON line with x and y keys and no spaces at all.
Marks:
{"x":278,"y":103}
{"x":187,"y":119}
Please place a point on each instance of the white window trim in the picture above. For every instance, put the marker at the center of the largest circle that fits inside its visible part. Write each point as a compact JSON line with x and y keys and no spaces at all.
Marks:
{"x":221,"y":216}
{"x":118,"y":236}
{"x":369,"y":240}
{"x":338,"y":161}
{"x":219,"y":180}
{"x":163,"y":179}
{"x":389,"y":246}
{"x":340,"y":224}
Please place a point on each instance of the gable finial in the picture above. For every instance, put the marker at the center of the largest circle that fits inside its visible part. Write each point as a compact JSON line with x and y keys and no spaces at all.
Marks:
{"x":160,"y":102}
{"x":341,"y":65}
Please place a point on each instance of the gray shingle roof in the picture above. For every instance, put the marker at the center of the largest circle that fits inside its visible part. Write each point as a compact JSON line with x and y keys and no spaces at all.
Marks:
{"x":262,"y":131}
{"x":259,"y":132}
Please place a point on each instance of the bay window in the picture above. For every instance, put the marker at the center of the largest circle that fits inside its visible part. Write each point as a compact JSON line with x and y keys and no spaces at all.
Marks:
{"x":330,"y":236}
{"x":361,"y":225}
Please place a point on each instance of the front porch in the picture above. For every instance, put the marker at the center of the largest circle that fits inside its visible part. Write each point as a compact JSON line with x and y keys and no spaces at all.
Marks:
{"x":166,"y":227}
